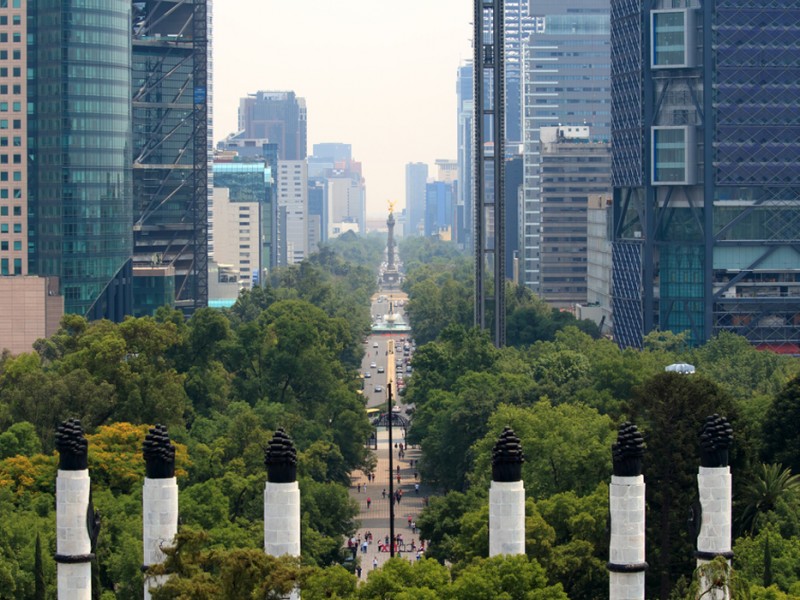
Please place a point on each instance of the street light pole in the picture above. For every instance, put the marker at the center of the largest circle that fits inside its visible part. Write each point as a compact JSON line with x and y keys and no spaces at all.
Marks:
{"x":391,"y":472}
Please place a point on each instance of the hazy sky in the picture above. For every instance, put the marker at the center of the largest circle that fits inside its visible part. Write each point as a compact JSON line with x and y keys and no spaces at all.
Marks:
{"x":377,"y":74}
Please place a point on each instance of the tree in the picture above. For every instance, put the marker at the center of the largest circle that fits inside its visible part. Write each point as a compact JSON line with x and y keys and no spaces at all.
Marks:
{"x":503,"y":578}
{"x":567,"y":448}
{"x":781,"y":435}
{"x":769,"y":485}
{"x":670,"y":409}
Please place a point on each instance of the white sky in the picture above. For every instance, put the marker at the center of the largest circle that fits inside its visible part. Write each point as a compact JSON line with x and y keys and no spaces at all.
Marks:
{"x":377,"y":74}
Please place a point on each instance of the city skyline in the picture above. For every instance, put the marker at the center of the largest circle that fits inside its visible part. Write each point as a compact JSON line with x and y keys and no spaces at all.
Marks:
{"x":381,"y":121}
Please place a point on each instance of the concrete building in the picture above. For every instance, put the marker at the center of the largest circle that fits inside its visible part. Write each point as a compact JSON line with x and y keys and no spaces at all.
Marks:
{"x":572,"y":168}
{"x":597,"y":307}
{"x":566,"y":78}
{"x":31,"y":309}
{"x":279,"y":117}
{"x":347,"y":208}
{"x":292,"y":198}
{"x":706,"y":170}
{"x":416,"y":179}
{"x":242,"y":220}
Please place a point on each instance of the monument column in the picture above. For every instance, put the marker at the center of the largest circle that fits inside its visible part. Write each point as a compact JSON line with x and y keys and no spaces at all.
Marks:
{"x":281,"y":498}
{"x":76,"y":521}
{"x":715,"y":485}
{"x":159,"y":502}
{"x":626,"y":504}
{"x":507,"y":497}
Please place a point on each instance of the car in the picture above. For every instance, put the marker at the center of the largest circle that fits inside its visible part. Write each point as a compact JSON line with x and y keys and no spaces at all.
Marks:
{"x":374,"y":344}
{"x":373,"y":364}
{"x":380,"y":369}
{"x":378,"y":388}
{"x":408,"y":368}
{"x":367,"y":375}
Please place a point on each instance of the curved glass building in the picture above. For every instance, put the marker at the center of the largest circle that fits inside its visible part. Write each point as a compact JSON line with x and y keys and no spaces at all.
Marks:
{"x":79,"y":128}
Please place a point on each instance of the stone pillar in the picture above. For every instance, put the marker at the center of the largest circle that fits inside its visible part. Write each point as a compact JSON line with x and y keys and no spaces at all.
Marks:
{"x":626,"y":564}
{"x":715,"y":484}
{"x":76,"y":521}
{"x":159,"y":502}
{"x":507,"y":497}
{"x":282,"y":500}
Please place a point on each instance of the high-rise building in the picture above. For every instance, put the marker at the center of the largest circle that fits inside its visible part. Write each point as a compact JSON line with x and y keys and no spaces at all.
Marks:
{"x":346,"y":200}
{"x":77,"y":149}
{"x":464,"y":199}
{"x":279,"y":117}
{"x":241,"y":223}
{"x":706,"y":170}
{"x":171,"y":73}
{"x":518,"y":26}
{"x":416,"y":179}
{"x":438,"y":208}
{"x":292,"y":211}
{"x":573,"y":169}
{"x":566,"y":83}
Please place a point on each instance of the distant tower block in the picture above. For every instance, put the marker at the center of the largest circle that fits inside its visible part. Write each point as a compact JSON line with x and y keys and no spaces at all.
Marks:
{"x":159,"y":502}
{"x":507,"y":497}
{"x":75,"y":519}
{"x":626,"y":563}
{"x":281,"y":498}
{"x":715,"y":485}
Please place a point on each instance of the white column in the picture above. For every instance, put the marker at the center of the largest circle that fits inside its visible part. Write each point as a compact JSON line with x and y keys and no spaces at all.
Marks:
{"x":160,"y":524}
{"x":506,"y":518}
{"x":626,"y":550}
{"x":282,"y":519}
{"x":715,"y":485}
{"x":72,"y":535}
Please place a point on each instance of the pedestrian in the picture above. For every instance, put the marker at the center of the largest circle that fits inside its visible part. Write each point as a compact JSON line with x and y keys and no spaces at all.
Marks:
{"x":364,"y":547}
{"x":384,"y":493}
{"x":358,"y":571}
{"x":416,"y":488}
{"x":398,"y":468}
{"x":398,"y":478}
{"x":358,"y":487}
{"x":374,"y":563}
{"x":386,"y":539}
{"x":413,"y":527}
{"x":369,"y":501}
{"x":409,"y":521}
{"x":415,"y":475}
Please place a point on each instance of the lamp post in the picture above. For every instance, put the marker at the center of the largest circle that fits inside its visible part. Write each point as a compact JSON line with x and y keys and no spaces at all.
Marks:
{"x":391,"y":472}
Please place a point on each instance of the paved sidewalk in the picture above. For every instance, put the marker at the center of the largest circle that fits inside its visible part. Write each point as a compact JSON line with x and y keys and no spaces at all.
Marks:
{"x":376,"y":518}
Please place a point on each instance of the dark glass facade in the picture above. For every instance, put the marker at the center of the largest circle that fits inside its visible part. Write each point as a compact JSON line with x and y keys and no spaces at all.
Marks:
{"x":80,"y":151}
{"x":171,"y":141}
{"x":715,"y":208}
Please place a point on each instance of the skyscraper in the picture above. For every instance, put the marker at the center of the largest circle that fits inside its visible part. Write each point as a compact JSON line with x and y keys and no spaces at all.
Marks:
{"x":79,"y":153}
{"x":292,"y":211}
{"x":518,"y":26}
{"x":172,"y":141}
{"x":566,"y":83}
{"x":279,"y":117}
{"x":416,"y":178}
{"x":464,"y":200}
{"x":706,"y":170}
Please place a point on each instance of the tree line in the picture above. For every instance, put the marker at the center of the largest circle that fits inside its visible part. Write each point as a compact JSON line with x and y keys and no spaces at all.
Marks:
{"x":564,"y":391}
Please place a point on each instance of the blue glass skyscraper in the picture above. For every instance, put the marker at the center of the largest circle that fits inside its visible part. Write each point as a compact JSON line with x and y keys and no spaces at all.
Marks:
{"x":706,"y":170}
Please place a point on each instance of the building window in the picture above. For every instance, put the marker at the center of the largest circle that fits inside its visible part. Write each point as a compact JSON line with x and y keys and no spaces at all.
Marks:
{"x":672,"y":36}
{"x":673,"y":156}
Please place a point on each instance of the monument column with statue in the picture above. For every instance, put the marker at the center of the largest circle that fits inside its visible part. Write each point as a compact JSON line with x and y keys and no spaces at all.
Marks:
{"x":391,"y":276}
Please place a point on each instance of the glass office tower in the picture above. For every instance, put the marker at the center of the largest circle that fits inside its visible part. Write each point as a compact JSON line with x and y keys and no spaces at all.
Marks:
{"x":79,"y":130}
{"x":706,"y":170}
{"x":172,"y":146}
{"x":566,"y":82}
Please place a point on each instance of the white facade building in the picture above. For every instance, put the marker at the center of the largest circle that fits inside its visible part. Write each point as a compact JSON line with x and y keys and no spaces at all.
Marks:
{"x":292,"y":211}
